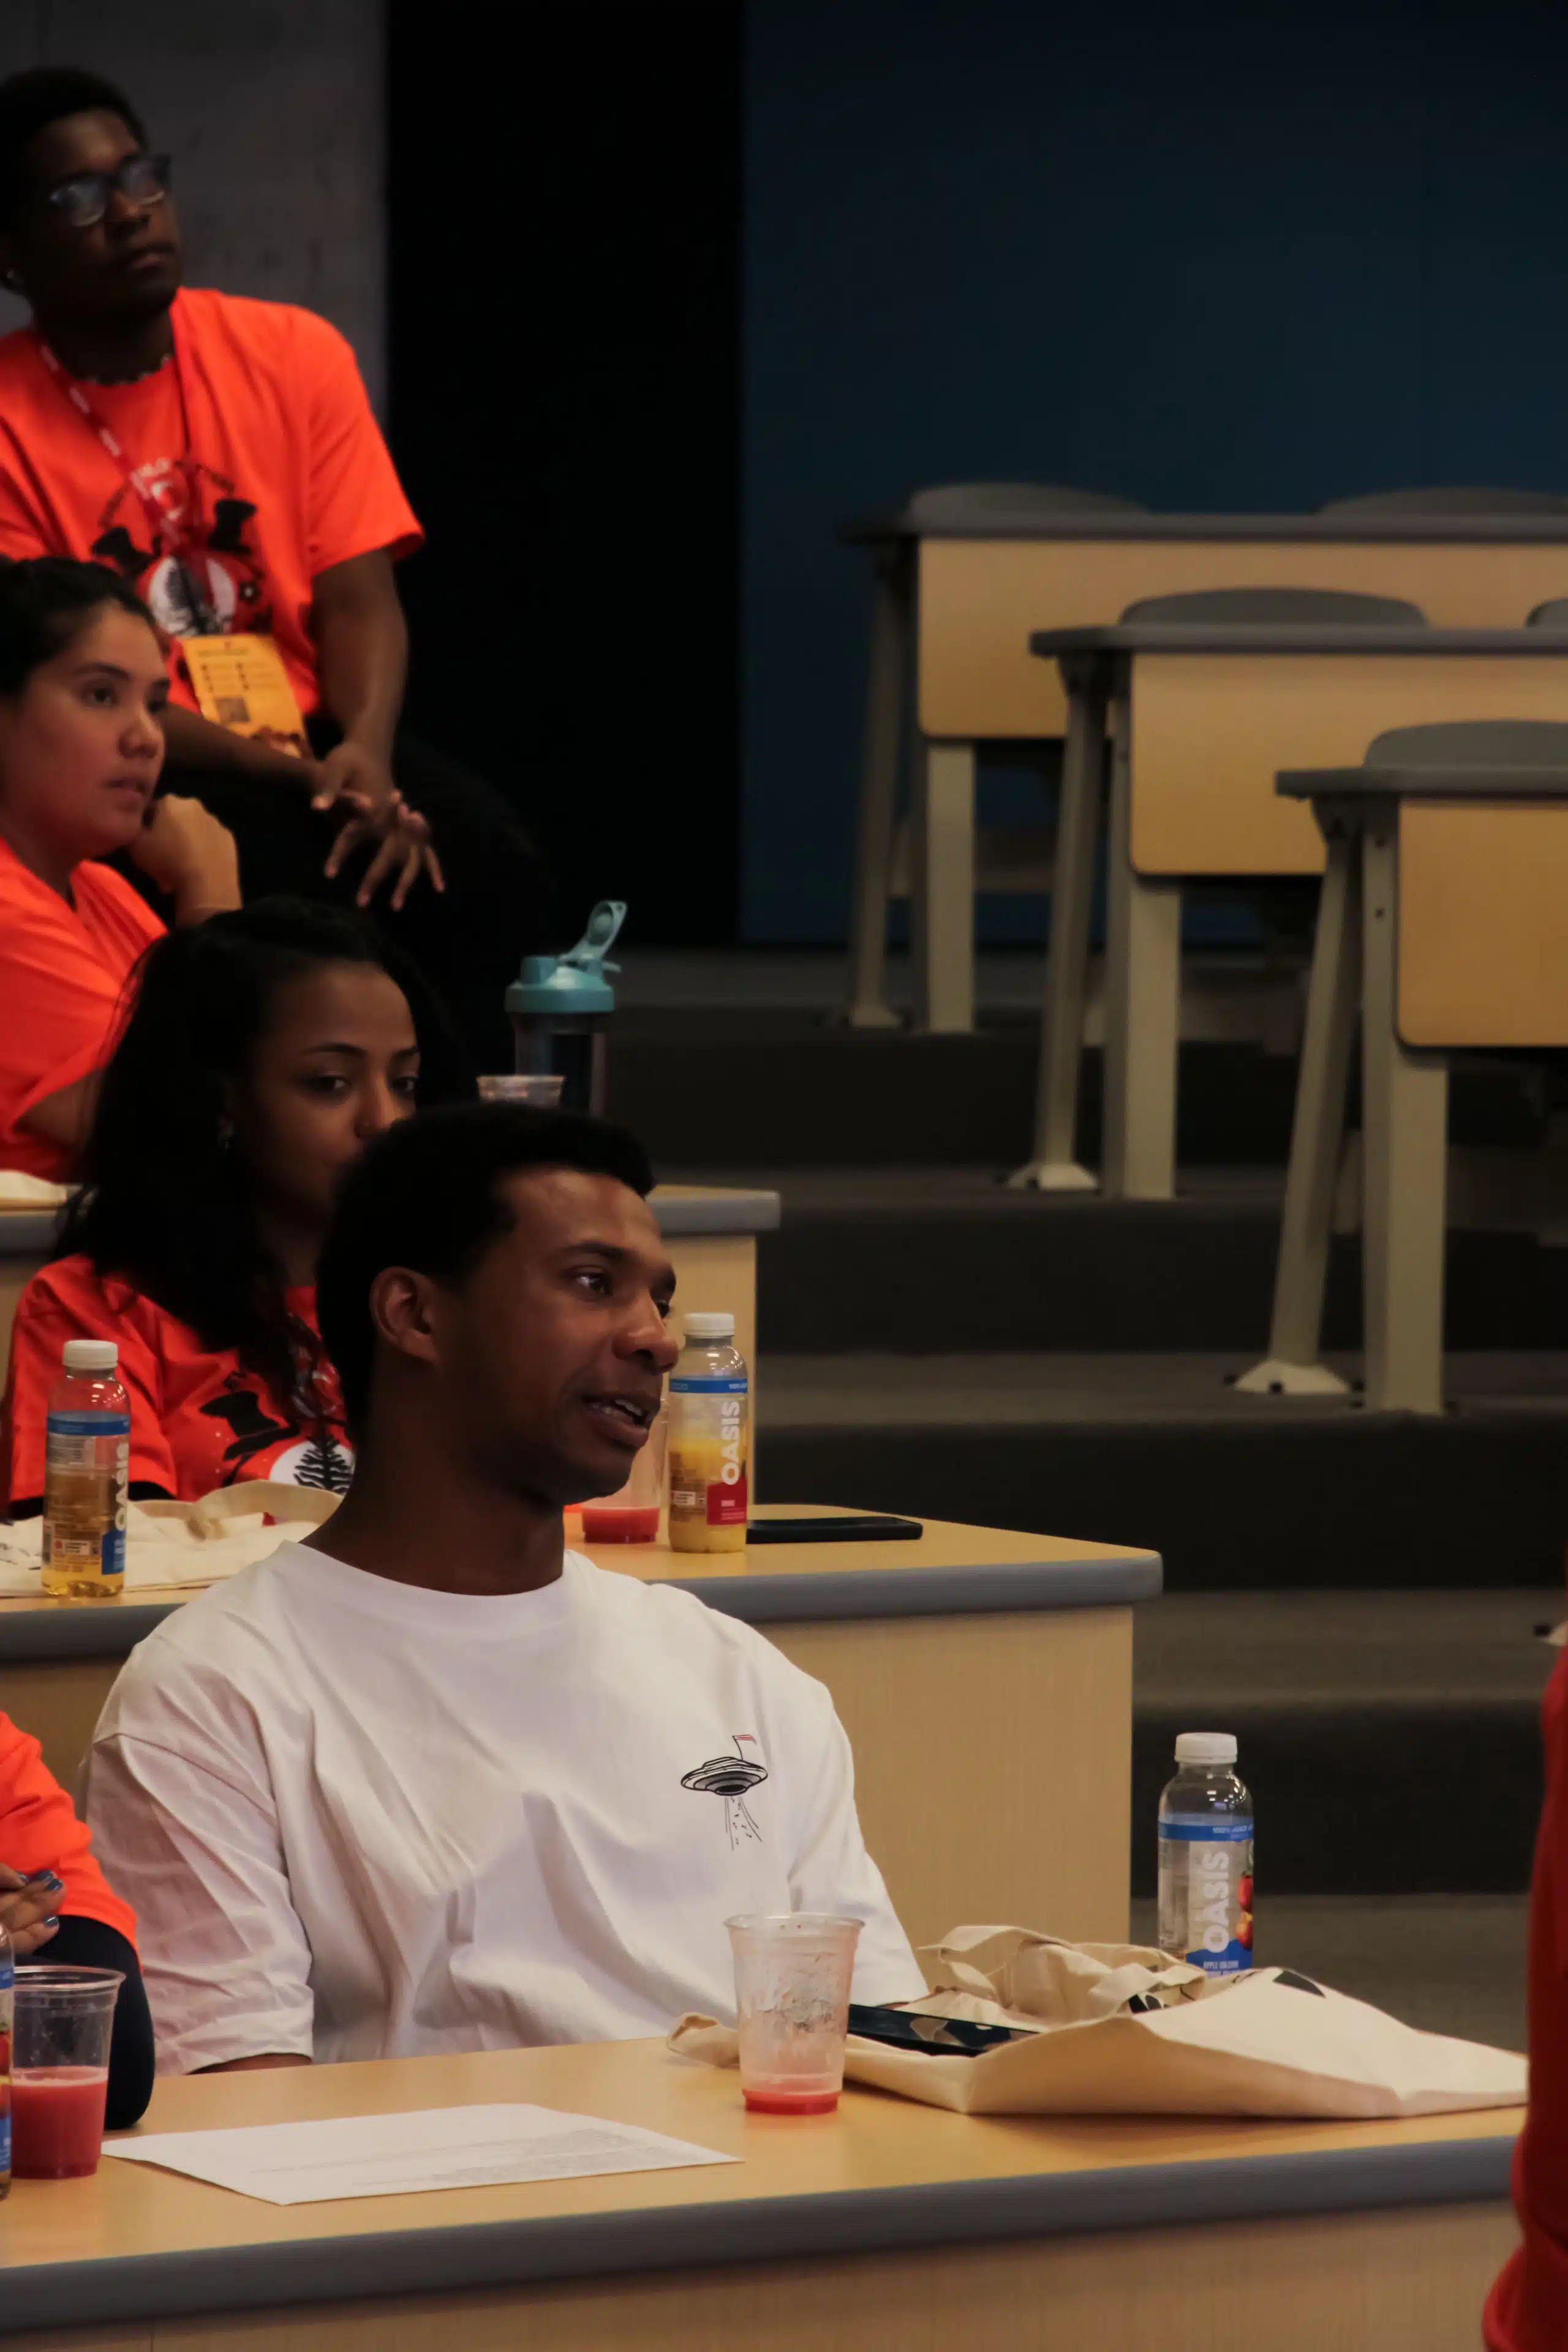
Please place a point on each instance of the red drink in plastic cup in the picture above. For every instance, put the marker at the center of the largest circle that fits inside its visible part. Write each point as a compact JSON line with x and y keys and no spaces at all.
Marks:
{"x":793,"y":1973}
{"x":56,"y":2121}
{"x":631,"y":1514}
{"x":801,"y":2096}
{"x":611,"y":1523}
{"x":59,"y":2069}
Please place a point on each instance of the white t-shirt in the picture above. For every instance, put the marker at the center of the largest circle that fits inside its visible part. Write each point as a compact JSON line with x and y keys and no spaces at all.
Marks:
{"x":361,"y":1819}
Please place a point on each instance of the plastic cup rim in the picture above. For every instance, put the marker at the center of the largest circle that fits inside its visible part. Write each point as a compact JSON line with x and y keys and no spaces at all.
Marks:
{"x":59,"y":1981}
{"x":792,"y":1922}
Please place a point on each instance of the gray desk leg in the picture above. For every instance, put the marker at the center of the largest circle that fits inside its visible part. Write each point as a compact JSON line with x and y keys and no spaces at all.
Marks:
{"x":944,"y":886}
{"x":1317,"y":1140}
{"x":1143,"y":1005}
{"x":887,"y":695}
{"x":1404,"y":1122}
{"x":1055,"y":1167}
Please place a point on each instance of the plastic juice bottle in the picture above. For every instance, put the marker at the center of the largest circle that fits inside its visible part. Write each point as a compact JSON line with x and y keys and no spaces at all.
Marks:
{"x":1206,"y":1857}
{"x":709,"y":1438}
{"x":87,"y":1456}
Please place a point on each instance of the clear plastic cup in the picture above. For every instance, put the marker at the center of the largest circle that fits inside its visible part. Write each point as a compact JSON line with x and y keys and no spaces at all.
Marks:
{"x":59,"y":2069}
{"x":540,"y":1090}
{"x":631,"y":1514}
{"x":791,"y":2005}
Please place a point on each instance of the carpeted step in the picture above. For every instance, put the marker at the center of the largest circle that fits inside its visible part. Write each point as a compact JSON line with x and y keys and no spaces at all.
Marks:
{"x":725,"y":1088}
{"x":1237,"y":1494}
{"x":946,"y":1259}
{"x":1390,"y":1739}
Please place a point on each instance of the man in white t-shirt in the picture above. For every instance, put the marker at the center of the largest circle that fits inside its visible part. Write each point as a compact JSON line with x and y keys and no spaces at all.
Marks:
{"x":430,"y":1782}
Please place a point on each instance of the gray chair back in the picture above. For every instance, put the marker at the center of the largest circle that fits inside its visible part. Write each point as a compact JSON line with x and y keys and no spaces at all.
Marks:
{"x":1323,"y":608}
{"x":1449,"y":501}
{"x":1473,"y":743}
{"x":1551,"y":615}
{"x":959,"y":502}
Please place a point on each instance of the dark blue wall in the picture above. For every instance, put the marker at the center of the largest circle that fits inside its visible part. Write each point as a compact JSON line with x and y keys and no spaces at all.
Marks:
{"x":1247,"y":257}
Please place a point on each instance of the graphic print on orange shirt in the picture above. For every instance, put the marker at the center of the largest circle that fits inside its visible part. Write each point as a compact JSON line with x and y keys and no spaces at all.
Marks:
{"x":199,"y":1418}
{"x":260,"y":449}
{"x":205,"y":508}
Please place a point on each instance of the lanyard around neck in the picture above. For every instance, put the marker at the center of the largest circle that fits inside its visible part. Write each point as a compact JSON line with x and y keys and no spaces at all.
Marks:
{"x":192,"y":564}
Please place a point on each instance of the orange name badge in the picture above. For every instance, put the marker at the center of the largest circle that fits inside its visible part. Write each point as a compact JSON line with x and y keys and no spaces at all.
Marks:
{"x":241,"y":683}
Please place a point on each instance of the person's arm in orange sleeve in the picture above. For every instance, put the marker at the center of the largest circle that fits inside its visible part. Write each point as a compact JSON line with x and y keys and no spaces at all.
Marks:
{"x":24,"y":527}
{"x":54,"y":1898}
{"x":358,"y":523}
{"x":62,"y":1304}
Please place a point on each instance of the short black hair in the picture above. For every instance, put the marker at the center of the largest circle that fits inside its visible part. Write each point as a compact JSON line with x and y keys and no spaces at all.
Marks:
{"x":45,"y":603}
{"x":426,"y":1195}
{"x":30,"y":102}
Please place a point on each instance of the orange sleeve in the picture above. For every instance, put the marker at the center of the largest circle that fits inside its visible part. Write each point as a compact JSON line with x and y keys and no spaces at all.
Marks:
{"x":67,"y":1301}
{"x":60,"y":1006}
{"x":24,"y":530}
{"x":357,"y":505}
{"x":39,"y":1831}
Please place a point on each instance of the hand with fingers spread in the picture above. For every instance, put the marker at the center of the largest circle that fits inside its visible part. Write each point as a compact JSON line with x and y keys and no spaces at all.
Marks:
{"x":403,"y":850}
{"x":351,"y":779}
{"x":27,"y":1908}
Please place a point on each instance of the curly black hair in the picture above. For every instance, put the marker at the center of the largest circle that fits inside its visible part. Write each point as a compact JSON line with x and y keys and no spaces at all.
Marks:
{"x":163,"y":1203}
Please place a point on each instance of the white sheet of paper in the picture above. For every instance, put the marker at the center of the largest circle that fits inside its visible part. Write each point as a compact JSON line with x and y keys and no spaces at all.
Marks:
{"x":387,"y":2156}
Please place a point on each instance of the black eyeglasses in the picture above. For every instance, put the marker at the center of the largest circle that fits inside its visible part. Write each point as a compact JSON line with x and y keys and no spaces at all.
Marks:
{"x":141,"y":180}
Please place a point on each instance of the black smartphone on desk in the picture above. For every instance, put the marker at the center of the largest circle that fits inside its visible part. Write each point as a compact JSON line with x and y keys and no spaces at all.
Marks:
{"x":836,"y":1527}
{"x":930,"y":2037}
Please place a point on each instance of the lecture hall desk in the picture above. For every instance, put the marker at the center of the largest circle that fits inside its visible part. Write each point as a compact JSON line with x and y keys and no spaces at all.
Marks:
{"x":956,"y":606}
{"x":984,"y":1679}
{"x":1197,"y":719}
{"x":888,"y":2227}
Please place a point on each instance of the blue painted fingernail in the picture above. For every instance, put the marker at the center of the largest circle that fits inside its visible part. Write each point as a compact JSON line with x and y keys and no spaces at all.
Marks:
{"x":53,"y":1921}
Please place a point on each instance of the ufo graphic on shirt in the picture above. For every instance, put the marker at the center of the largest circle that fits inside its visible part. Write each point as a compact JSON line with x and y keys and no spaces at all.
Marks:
{"x":730,"y":1777}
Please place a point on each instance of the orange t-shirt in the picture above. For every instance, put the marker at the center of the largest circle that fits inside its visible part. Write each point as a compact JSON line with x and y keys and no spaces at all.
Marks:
{"x":39,"y":1831}
{"x":198,"y":1421}
{"x":272,"y":465}
{"x":1527,"y":2308}
{"x":63,"y":971}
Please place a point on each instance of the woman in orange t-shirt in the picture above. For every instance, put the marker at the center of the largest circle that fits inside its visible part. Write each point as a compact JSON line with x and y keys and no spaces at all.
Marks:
{"x":82,"y":684}
{"x":263,"y":1051}
{"x":54,"y":1900}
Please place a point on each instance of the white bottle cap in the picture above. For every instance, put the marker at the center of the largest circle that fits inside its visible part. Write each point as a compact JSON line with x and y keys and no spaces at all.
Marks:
{"x":1206,"y":1748}
{"x":710,"y":1326}
{"x":90,"y":1355}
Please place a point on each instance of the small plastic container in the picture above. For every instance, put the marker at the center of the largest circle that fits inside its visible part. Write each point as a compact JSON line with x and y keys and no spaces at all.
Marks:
{"x":60,"y":2069}
{"x":87,"y":1464}
{"x":793,"y":1973}
{"x":709,"y":1438}
{"x":631,"y":1514}
{"x":540,"y":1089}
{"x":1206,"y":1857}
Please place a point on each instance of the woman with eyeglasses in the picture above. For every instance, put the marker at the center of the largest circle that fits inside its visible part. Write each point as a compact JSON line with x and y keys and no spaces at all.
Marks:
{"x":81,"y":687}
{"x":263,"y":1051}
{"x":222,"y":454}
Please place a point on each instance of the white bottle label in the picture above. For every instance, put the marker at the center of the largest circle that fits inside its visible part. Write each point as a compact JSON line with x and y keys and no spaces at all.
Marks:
{"x":1205,"y":1891}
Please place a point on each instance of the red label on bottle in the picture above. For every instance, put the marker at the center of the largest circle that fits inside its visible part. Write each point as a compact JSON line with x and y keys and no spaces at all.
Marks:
{"x":727,"y":1503}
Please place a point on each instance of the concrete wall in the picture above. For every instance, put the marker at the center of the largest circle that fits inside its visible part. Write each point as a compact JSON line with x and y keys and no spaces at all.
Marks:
{"x":273,"y":112}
